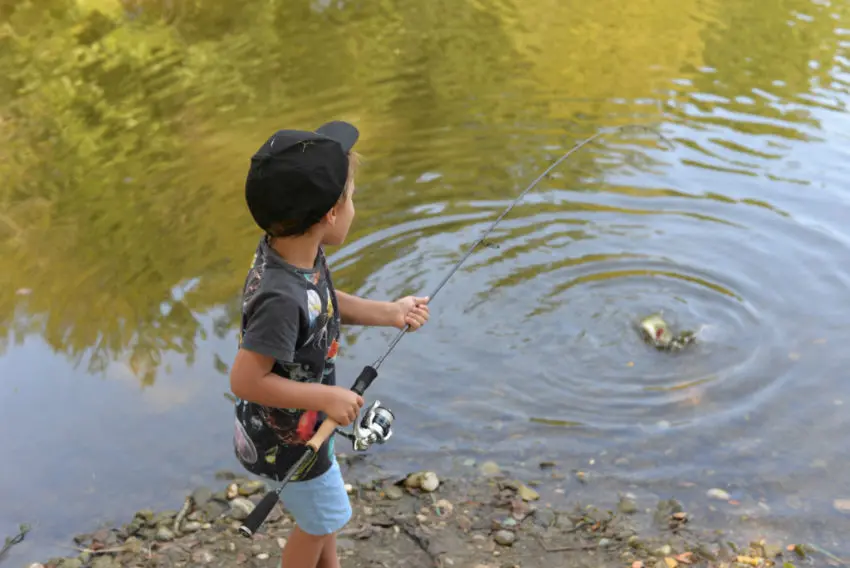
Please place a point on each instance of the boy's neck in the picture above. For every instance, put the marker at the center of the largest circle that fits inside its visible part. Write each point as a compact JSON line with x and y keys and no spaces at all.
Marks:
{"x":298,"y":251}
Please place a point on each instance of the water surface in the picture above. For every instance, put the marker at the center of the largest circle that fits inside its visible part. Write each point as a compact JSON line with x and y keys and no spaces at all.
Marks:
{"x":124,"y":240}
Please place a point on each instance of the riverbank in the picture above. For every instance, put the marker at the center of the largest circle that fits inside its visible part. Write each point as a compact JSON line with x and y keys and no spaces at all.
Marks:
{"x":484,"y":521}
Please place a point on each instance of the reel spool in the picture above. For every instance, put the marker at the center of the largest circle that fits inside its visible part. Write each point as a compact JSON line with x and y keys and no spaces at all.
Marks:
{"x":375,"y":427}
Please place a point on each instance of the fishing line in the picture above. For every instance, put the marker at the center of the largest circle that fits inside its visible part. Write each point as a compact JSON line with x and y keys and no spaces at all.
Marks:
{"x":375,"y":427}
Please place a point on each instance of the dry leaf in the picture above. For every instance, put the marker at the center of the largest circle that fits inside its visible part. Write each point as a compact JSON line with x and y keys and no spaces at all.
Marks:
{"x":671,"y":562}
{"x":685,"y":557}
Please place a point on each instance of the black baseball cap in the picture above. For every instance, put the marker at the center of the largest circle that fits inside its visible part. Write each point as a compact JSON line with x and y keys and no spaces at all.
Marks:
{"x":297,"y":176}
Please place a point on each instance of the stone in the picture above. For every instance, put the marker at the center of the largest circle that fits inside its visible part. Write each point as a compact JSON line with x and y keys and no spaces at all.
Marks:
{"x":214,"y":509}
{"x":627,"y":506}
{"x":201,"y":496}
{"x":251,"y":487}
{"x":164,"y":534}
{"x":505,"y":538}
{"x":202,"y":556}
{"x":665,"y":550}
{"x":240,"y":508}
{"x":490,"y":468}
{"x":718,"y":494}
{"x":527,"y":493}
{"x":70,"y":563}
{"x":430,"y":481}
{"x":544,"y":517}
{"x":191,"y":526}
{"x":232,"y":491}
{"x":605,"y":542}
{"x":393,"y":492}
{"x":104,"y":562}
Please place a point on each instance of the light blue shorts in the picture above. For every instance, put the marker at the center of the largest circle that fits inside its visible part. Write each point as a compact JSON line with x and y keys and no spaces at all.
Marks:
{"x":319,"y":506}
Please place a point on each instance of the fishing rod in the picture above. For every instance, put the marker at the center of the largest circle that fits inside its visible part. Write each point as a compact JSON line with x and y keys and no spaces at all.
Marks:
{"x":376,"y":424}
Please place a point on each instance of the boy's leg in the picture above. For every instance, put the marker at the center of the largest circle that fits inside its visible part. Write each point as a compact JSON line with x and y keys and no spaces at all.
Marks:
{"x":320,"y":507}
{"x":328,"y":557}
{"x":302,"y":549}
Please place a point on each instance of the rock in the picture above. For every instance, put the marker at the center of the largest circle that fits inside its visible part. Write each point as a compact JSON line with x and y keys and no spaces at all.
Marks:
{"x":527,"y":493}
{"x":490,"y":468}
{"x":281,"y":542}
{"x":104,"y":562}
{"x":665,"y":550}
{"x":133,"y":545}
{"x":250,"y":487}
{"x":145,"y":515}
{"x":505,"y":538}
{"x":634,"y":542}
{"x":444,"y":506}
{"x":232,"y":491}
{"x":164,"y":534}
{"x":70,"y":563}
{"x":430,"y":481}
{"x":202,"y":556}
{"x":201,"y":496}
{"x":842,"y":505}
{"x":718,"y":494}
{"x":349,"y":488}
{"x":627,"y":506}
{"x":506,"y":523}
{"x":191,"y":526}
{"x":240,"y":508}
{"x":414,"y":480}
{"x":214,"y":509}
{"x":393,"y":492}
{"x":605,"y":542}
{"x":263,"y":556}
{"x":36,"y":565}
{"x":544,"y":517}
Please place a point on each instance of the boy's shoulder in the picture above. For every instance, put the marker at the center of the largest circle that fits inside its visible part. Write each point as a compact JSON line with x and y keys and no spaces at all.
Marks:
{"x":270,"y":276}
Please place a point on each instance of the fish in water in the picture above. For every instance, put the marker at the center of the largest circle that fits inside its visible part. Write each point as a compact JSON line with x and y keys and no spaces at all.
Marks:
{"x":657,"y":333}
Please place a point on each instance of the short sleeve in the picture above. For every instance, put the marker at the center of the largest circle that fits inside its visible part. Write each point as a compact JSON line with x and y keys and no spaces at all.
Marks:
{"x":272,"y":326}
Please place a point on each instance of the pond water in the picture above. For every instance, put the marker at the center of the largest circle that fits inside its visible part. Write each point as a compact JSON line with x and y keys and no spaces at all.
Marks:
{"x":124,"y":241}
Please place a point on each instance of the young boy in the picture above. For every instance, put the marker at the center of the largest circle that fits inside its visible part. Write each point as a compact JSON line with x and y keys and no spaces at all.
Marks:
{"x":299,"y":190}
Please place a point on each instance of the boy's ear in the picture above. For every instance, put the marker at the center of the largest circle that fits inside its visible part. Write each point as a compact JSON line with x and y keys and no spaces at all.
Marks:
{"x":330,"y":216}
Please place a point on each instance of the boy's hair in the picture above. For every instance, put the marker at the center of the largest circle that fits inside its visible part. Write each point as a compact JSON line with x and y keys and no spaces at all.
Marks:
{"x":297,"y":176}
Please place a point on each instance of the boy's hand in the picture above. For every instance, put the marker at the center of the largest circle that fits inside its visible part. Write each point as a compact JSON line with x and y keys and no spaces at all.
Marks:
{"x":412,"y":311}
{"x":342,"y":405}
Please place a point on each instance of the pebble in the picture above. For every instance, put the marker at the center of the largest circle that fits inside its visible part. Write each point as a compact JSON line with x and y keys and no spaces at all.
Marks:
{"x":70,"y":563}
{"x":444,"y":506}
{"x":191,"y":526}
{"x":36,"y":565}
{"x":263,"y":556}
{"x":232,"y":491}
{"x":605,"y":542}
{"x":349,"y":488}
{"x":718,"y":494}
{"x":490,"y":468}
{"x":505,"y":538}
{"x":665,"y":550}
{"x":429,"y":482}
{"x":393,"y":492}
{"x":251,"y":487}
{"x":627,"y":506}
{"x":202,"y":556}
{"x":163,"y":534}
{"x":281,"y":542}
{"x":527,"y":493}
{"x":240,"y":508}
{"x":544,"y":517}
{"x":201,"y":496}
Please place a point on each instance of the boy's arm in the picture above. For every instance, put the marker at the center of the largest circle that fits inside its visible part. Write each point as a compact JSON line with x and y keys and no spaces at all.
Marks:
{"x":270,"y":335}
{"x":354,"y":310}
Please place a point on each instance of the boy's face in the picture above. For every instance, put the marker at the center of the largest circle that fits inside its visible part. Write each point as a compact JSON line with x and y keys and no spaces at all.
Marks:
{"x":339,"y":219}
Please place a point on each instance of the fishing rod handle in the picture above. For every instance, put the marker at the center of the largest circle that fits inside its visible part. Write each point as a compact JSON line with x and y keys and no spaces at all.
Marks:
{"x":259,"y":514}
{"x":367,"y":375}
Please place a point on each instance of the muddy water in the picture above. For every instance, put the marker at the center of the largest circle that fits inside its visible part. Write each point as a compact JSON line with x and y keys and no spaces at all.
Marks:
{"x":124,"y":239}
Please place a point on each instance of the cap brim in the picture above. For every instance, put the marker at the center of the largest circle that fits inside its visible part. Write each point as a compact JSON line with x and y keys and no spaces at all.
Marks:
{"x":344,"y":133}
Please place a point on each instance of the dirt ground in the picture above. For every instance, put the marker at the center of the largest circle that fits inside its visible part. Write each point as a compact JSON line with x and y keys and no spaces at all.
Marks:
{"x":483,"y":522}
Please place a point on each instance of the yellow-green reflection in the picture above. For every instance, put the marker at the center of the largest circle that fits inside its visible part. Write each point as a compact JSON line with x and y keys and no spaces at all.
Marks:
{"x":126,"y":129}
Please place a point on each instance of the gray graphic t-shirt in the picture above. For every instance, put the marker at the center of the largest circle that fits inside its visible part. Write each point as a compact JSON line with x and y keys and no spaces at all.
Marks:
{"x":290,"y":314}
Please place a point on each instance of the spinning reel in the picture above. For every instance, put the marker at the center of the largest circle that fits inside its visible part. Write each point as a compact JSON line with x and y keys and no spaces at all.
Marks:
{"x":375,"y":427}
